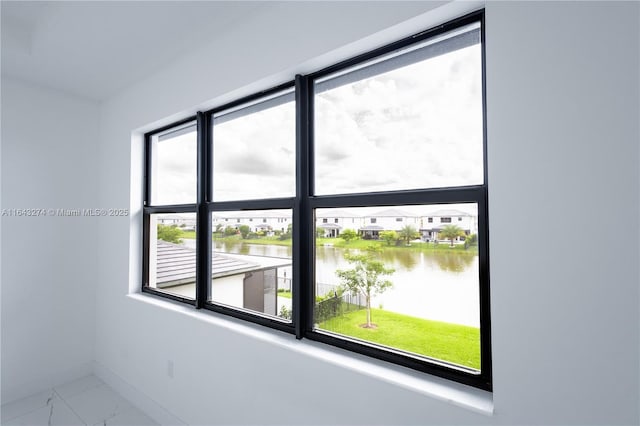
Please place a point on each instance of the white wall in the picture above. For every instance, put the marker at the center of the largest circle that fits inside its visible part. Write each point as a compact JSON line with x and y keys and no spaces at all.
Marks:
{"x":48,"y":277}
{"x":562,"y":94}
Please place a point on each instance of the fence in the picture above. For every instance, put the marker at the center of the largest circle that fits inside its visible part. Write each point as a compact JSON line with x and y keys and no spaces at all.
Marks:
{"x":338,"y":305}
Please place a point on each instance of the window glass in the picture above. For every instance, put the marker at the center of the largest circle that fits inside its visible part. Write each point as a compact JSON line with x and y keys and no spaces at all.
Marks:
{"x":254,"y":150}
{"x":410,"y":286}
{"x":251,"y":265}
{"x":413,"y":120}
{"x":172,"y":253}
{"x":174,"y":166}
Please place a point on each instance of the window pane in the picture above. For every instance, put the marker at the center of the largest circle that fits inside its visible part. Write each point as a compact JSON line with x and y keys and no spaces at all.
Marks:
{"x":410,"y":121}
{"x":251,"y":266}
{"x":421,"y":278}
{"x":174,"y":166}
{"x":254,"y":150}
{"x":172,"y":253}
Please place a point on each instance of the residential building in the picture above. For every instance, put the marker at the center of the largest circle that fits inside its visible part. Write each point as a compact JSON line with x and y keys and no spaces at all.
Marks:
{"x":432,"y":223}
{"x":335,"y":221}
{"x":387,"y":220}
{"x":269,"y":222}
{"x":184,"y":222}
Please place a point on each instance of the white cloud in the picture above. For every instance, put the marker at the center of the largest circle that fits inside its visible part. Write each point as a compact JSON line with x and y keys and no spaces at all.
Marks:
{"x":419,"y":126}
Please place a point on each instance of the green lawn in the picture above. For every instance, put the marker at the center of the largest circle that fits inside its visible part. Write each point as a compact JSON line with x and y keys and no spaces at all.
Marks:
{"x":416,"y":246}
{"x":340,"y":243}
{"x":191,"y":235}
{"x":285,"y":294}
{"x":448,"y":342}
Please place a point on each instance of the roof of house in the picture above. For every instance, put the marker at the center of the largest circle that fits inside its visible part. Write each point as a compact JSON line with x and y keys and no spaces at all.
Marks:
{"x":391,"y":213}
{"x":176,"y":264}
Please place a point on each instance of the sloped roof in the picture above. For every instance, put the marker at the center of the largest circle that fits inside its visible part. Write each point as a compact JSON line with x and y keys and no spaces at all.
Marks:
{"x":176,"y":264}
{"x":391,"y":213}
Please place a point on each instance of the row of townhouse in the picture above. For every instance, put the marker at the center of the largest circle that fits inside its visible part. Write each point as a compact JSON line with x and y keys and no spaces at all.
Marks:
{"x":334,"y":221}
{"x":268,"y":222}
{"x":370,"y":226}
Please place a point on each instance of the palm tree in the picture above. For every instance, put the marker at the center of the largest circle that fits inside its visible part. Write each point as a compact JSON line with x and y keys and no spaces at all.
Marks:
{"x":408,"y":233}
{"x":451,"y":232}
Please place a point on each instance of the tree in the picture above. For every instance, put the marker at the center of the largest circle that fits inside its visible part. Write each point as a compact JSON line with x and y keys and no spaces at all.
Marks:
{"x":389,"y":236}
{"x":408,"y":233}
{"x":471,"y":240}
{"x":365,"y":277}
{"x":229,"y":230}
{"x":218,"y":228}
{"x":170,"y":234}
{"x":244,"y":231}
{"x":319,"y":232}
{"x":287,"y":235}
{"x":348,"y":235}
{"x":451,"y":232}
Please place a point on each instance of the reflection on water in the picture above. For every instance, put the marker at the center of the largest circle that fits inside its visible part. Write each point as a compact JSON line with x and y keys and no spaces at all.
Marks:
{"x":434,"y":285}
{"x":454,"y":262}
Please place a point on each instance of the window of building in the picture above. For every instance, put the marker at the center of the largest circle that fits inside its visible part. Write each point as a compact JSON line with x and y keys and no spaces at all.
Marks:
{"x":333,"y":143}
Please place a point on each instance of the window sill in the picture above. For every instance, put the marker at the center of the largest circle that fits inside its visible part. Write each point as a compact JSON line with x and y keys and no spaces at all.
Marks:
{"x":453,"y":393}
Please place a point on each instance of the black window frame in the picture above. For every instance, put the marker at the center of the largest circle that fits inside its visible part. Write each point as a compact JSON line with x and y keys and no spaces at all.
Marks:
{"x":303,"y":205}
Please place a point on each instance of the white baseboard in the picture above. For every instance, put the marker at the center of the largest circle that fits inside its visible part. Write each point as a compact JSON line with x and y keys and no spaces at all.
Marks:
{"x":150,"y":407}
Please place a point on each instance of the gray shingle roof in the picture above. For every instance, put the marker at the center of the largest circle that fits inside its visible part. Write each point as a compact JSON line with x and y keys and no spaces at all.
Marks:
{"x":176,"y":265}
{"x":391,"y":213}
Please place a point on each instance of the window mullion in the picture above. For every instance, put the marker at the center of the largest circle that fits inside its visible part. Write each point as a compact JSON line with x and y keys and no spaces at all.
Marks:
{"x":203,"y":227}
{"x":302,"y":301}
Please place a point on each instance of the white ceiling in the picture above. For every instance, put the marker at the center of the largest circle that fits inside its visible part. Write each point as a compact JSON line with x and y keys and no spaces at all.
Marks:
{"x":96,"y":48}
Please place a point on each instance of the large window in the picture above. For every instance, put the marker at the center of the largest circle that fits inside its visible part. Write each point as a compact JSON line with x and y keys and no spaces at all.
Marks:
{"x":309,"y":207}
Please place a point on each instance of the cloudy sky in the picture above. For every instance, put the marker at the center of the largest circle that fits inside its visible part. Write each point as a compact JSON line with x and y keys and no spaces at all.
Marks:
{"x":418,"y":126}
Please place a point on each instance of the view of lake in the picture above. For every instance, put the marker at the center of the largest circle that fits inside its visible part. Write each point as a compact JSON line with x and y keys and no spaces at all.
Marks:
{"x":432,"y":285}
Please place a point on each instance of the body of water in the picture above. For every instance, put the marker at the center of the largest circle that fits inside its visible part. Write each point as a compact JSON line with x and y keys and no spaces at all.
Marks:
{"x":438,"y":286}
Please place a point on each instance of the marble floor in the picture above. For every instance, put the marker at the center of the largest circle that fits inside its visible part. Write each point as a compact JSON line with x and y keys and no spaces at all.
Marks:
{"x":87,"y":401}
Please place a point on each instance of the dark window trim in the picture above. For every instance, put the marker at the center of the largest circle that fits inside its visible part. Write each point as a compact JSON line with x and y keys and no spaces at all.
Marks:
{"x":303,"y":206}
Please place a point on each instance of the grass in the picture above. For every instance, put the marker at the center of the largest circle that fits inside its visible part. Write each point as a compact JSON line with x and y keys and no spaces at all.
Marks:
{"x":415,"y":246}
{"x":285,"y":294}
{"x":340,"y":243}
{"x":444,"y":341}
{"x":190,"y":235}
